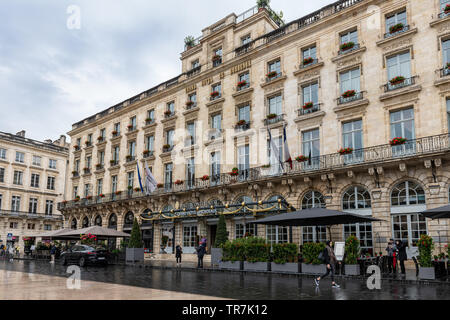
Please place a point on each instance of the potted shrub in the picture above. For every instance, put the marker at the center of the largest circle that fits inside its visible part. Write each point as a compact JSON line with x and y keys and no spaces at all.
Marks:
{"x":74,"y":172}
{"x":101,"y":195}
{"x":426,"y":268}
{"x":130,"y":127}
{"x":189,"y":103}
{"x":397,"y":141}
{"x":308,"y":105}
{"x":135,"y":247}
{"x":311,"y":263}
{"x":76,"y":147}
{"x":344,"y":151}
{"x":257,"y":254}
{"x":301,"y":159}
{"x":285,"y":258}
{"x":100,"y":139}
{"x":216,"y":57}
{"x":271,"y":74}
{"x":347,"y":46}
{"x":234,"y":172}
{"x":159,"y":185}
{"x":146,"y":152}
{"x":112,"y":162}
{"x":189,"y":42}
{"x":307,"y":61}
{"x":166,"y":147}
{"x":397,"y":80}
{"x":117,"y":193}
{"x":221,"y":239}
{"x":271,"y":116}
{"x":396,"y":28}
{"x":87,"y":143}
{"x":349,"y":94}
{"x":114,"y":133}
{"x":262,"y":4}
{"x":233,"y":255}
{"x":89,"y":197}
{"x":129,"y":157}
{"x":351,"y":256}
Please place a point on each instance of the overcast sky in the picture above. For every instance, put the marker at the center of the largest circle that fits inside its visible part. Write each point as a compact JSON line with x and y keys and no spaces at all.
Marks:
{"x":52,"y":76}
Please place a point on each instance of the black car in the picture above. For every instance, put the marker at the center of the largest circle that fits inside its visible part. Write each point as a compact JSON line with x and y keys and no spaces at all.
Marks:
{"x":84,"y":255}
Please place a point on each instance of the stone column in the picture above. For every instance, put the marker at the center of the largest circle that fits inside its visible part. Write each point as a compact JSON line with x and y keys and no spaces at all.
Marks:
{"x":381,"y":209}
{"x":438,"y":229}
{"x":156,"y":237}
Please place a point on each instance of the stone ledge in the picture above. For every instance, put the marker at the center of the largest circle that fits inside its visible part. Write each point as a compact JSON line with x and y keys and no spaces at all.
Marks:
{"x":306,"y":69}
{"x":349,"y":54}
{"x":396,"y":37}
{"x":271,"y":82}
{"x":401,"y":91}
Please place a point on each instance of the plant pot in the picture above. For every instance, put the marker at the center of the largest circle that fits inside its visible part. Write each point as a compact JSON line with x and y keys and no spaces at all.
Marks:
{"x":216,"y":255}
{"x":427,"y":273}
{"x":314,"y":268}
{"x":232,"y":265}
{"x":289,"y":267}
{"x":256,"y":266}
{"x":352,"y":269}
{"x":134,"y":254}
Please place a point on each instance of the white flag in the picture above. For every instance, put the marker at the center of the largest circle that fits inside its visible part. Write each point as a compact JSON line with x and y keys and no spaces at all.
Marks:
{"x":150,"y":181}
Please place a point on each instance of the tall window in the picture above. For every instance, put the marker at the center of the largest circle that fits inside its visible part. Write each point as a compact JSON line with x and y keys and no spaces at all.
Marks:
{"x":150,"y":143}
{"x":87,"y":190}
{"x":99,"y":186}
{"x":1,"y":196}
{"x":50,"y":183}
{"x":275,"y":159}
{"x":88,"y":162}
{"x":195,"y":64}
{"x":190,"y":172}
{"x":193,"y":98}
{"x":215,"y":167}
{"x":168,"y":168}
{"x":189,"y":235}
{"x":103,"y":133}
{"x":275,"y":105}
{"x":350,"y":80}
{"x":244,"y":113}
{"x":246,"y":39}
{"x":277,"y":234}
{"x":133,"y":123}
{"x":15,"y":203}
{"x":216,"y":123}
{"x":352,"y":137}
{"x":169,"y":137}
{"x":399,"y":65}
{"x":356,"y":198}
{"x":52,"y":164}
{"x":191,"y":134}
{"x":116,"y":153}
{"x":34,"y":180}
{"x":49,"y":207}
{"x":311,"y":93}
{"x":446,"y":55}
{"x":363,"y":231}
{"x":407,"y":193}
{"x":311,"y":146}
{"x":130,"y":180}
{"x":351,"y":36}
{"x":2,"y":175}
{"x":396,"y":18}
{"x":117,"y":128}
{"x":314,"y":234}
{"x":274,"y":66}
{"x":409,"y":227}
{"x":313,"y":199}
{"x":132,"y":148}
{"x":33,"y":205}
{"x":151,"y":114}
{"x":113,"y":184}
{"x":244,"y":161}
{"x":171,"y":106}
{"x":244,"y":229}
{"x":77,"y":165}
{"x":2,"y":153}
{"x":18,"y":177}
{"x":20,"y":157}
{"x":101,"y":158}
{"x":244,"y":77}
{"x":75,"y":191}
{"x":448,"y":115}
{"x":36,"y":161}
{"x":217,"y":88}
{"x":402,"y":125}
{"x":89,"y":138}
{"x":311,"y":52}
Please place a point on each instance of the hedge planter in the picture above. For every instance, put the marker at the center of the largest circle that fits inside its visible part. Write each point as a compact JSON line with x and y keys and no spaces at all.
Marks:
{"x":134,"y":254}
{"x":427,"y":273}
{"x":216,"y":255}
{"x":314,"y":268}
{"x":287,"y":267}
{"x":256,"y":266}
{"x":352,"y":270}
{"x":233,"y":265}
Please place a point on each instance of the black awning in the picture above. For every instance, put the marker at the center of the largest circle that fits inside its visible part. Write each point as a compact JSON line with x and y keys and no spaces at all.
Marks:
{"x":438,"y":213}
{"x":314,"y":217}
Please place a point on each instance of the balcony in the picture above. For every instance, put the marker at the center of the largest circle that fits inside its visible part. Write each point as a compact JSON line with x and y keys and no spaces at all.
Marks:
{"x":242,"y":127}
{"x":273,"y":119}
{"x":304,"y":111}
{"x":217,"y":62}
{"x":130,"y":158}
{"x":215,"y":95}
{"x":132,"y":128}
{"x":169,"y":114}
{"x":395,"y":33}
{"x":355,"y":47}
{"x":347,"y":99}
{"x":390,"y":86}
{"x":148,"y":154}
{"x":194,"y":71}
{"x":444,"y":72}
{"x":243,"y":49}
{"x":21,"y":214}
{"x":309,"y":64}
{"x":275,"y":76}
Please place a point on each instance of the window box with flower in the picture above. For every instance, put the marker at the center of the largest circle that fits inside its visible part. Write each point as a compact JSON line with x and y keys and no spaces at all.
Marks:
{"x":349,"y":94}
{"x":242,"y":84}
{"x":117,"y":193}
{"x":347,"y":46}
{"x":344,"y":151}
{"x":308,"y":105}
{"x":271,"y":74}
{"x":160,"y":185}
{"x":168,"y":113}
{"x":396,"y":28}
{"x":302,"y":159}
{"x":77,"y":198}
{"x":397,"y":80}
{"x":179,"y":182}
{"x":397,"y":141}
{"x":166,"y":147}
{"x":149,"y":121}
{"x":272,"y":116}
{"x":234,"y":172}
{"x":216,"y":58}
{"x":308,"y":61}
{"x":214,"y":94}
{"x":76,"y":147}
{"x":241,"y":122}
{"x":205,"y":178}
{"x":189,"y":103}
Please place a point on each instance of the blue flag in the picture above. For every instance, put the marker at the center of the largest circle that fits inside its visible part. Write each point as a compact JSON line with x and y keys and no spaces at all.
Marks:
{"x":139,"y":177}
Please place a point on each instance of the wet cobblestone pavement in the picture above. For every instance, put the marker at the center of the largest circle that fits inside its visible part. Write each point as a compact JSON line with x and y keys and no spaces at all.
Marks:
{"x":238,"y":286}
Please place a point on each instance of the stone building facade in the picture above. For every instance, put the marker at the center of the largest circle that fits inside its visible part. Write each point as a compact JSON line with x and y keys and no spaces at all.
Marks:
{"x":32,"y":181}
{"x":355,"y":74}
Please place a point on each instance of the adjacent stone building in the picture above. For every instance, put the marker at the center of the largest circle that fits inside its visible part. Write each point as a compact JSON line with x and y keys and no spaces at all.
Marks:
{"x":342,"y":82}
{"x":32,"y":180}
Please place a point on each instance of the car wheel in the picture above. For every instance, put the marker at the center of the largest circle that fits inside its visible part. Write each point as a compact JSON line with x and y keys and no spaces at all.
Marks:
{"x":82,"y":262}
{"x":63,"y":261}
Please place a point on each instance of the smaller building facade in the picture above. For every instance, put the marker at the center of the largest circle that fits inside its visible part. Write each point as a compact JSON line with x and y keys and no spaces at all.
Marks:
{"x":32,"y":181}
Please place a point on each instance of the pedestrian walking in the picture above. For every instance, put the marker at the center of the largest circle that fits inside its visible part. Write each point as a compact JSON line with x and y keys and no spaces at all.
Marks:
{"x":2,"y":249}
{"x":330,"y":261}
{"x":52,"y":253}
{"x":11,"y":253}
{"x":178,"y":253}
{"x":402,"y":256}
{"x":390,"y":255}
{"x":33,"y":249}
{"x":201,"y":250}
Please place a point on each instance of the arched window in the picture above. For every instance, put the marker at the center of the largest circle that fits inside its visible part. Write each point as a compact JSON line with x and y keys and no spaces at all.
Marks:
{"x":85,"y":222}
{"x":216,"y":203}
{"x":167,"y":208}
{"x":129,"y":218}
{"x":407,"y":193}
{"x":112,"y":222}
{"x":356,"y":198}
{"x":73,"y":224}
{"x":98,"y":221}
{"x":245,"y":199}
{"x":313,"y":199}
{"x":274,"y":198}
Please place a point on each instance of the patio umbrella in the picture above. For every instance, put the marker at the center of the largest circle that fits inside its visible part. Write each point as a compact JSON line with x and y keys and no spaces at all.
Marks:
{"x":100,"y":232}
{"x":437,"y":213}
{"x":315,"y":217}
{"x":56,"y":235}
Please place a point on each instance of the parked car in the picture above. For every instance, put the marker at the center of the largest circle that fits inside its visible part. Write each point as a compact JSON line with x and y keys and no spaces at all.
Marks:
{"x":84,"y":255}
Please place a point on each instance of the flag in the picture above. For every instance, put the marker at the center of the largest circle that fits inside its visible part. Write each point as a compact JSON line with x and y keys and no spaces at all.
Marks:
{"x":150,"y":181}
{"x":309,"y":158}
{"x":139,"y":177}
{"x":287,"y":155}
{"x":274,"y":148}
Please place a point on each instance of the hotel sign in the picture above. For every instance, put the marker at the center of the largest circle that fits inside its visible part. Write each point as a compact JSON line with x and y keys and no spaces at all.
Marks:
{"x":240,"y":67}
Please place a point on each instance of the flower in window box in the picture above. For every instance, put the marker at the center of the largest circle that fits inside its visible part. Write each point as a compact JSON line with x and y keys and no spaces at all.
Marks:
{"x":214,"y":94}
{"x":114,"y":132}
{"x":266,"y":166}
{"x":166,"y":146}
{"x":216,"y":57}
{"x":307,"y":61}
{"x":117,"y":193}
{"x":271,"y":74}
{"x":308,"y":105}
{"x":100,"y":139}
{"x":89,"y":197}
{"x":179,"y":182}
{"x":130,"y":126}
{"x":130,"y":187}
{"x":148,"y":120}
{"x":397,"y":80}
{"x":347,"y":45}
{"x":234,"y":172}
{"x":205,"y":177}
{"x":301,"y":159}
{"x":447,"y":66}
{"x":349,"y":94}
{"x":344,"y":151}
{"x":76,"y":147}
{"x":159,"y":185}
{"x":86,"y":169}
{"x":77,"y":198}
{"x":87,"y":143}
{"x":101,"y":195}
{"x":189,"y":103}
{"x":167,"y":112}
{"x":242,"y":83}
{"x":146,"y":152}
{"x":112,"y":162}
{"x":397,"y":141}
{"x":129,"y":158}
{"x":98,"y":166}
{"x":137,"y":189}
{"x":396,"y":28}
{"x":74,"y":172}
{"x":447,"y":8}
{"x":241,"y":122}
{"x":271,"y":116}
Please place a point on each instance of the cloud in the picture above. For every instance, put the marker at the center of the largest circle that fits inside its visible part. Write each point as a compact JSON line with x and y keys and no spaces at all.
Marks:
{"x":52,"y":77}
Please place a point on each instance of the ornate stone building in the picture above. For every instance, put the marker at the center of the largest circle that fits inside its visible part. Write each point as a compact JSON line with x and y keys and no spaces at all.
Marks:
{"x":32,"y":179}
{"x":354,"y":75}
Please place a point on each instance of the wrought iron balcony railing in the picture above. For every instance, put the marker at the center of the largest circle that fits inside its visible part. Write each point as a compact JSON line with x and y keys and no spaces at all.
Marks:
{"x":356,"y":46}
{"x":22,"y":214}
{"x":366,"y":156}
{"x":306,"y":65}
{"x":314,"y":108}
{"x":405,"y":83}
{"x":242,"y":127}
{"x":194,"y":71}
{"x":444,"y":72}
{"x":393,"y":34}
{"x":243,"y":49}
{"x":443,"y":15}
{"x":357,"y":96}
{"x":269,"y":121}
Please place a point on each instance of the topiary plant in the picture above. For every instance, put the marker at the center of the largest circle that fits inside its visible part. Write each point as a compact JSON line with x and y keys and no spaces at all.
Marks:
{"x":221,"y":233}
{"x":135,"y":239}
{"x":426,"y":247}
{"x":311,"y":251}
{"x":351,"y":250}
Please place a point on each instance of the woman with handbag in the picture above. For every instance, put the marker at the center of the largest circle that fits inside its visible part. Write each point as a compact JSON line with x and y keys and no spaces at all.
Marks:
{"x":330,"y":260}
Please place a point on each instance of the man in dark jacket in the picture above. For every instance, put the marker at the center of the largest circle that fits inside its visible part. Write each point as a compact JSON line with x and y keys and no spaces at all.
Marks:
{"x":402,"y":256}
{"x":201,"y":250}
{"x":330,"y":261}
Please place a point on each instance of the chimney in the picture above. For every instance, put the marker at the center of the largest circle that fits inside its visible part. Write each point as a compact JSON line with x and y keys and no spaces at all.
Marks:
{"x":21,"y":134}
{"x":48,"y":141}
{"x":62,"y":141}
